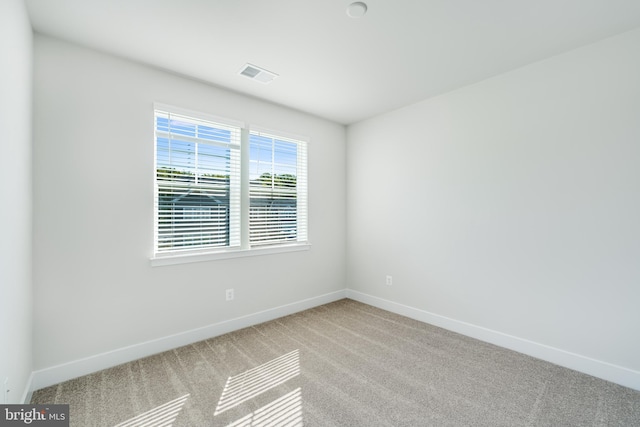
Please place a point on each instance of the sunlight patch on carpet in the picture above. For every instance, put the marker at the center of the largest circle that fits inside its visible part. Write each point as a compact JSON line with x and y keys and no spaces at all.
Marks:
{"x":255,"y":381}
{"x":160,"y":416}
{"x":285,"y":411}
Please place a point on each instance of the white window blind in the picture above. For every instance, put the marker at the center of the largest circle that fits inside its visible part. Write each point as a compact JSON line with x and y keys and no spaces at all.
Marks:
{"x":277,"y":190}
{"x":222,"y":188}
{"x":197,"y":192}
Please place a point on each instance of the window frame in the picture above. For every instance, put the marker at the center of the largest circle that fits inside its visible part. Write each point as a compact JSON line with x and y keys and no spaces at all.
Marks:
{"x":245,"y":249}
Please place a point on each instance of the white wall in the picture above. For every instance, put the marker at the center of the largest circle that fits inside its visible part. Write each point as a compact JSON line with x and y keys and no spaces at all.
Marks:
{"x":95,"y":290}
{"x":512,"y":205}
{"x":15,"y":199}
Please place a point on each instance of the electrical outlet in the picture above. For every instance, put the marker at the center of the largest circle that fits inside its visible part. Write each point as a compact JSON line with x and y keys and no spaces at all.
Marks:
{"x":229,"y":294}
{"x":389,"y":280}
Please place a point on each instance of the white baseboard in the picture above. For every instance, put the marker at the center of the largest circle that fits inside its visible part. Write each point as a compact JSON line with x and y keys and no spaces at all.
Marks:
{"x":604,"y":370}
{"x":56,"y":374}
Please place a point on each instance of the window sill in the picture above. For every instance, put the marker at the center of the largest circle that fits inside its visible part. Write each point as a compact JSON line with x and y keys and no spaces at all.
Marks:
{"x":158,"y":261}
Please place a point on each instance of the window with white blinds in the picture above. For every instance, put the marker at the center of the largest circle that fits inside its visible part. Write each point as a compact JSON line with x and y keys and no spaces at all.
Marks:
{"x":197,"y":183}
{"x":277,"y":190}
{"x":220,"y":187}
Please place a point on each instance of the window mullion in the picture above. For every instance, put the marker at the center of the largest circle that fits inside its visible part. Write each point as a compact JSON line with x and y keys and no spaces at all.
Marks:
{"x":244,"y":188}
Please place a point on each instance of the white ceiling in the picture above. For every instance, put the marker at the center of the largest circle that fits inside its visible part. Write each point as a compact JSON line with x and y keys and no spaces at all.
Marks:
{"x":330,"y":65}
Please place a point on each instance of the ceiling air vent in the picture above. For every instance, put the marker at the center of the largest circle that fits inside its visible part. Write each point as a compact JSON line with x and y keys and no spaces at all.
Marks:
{"x":256,"y":73}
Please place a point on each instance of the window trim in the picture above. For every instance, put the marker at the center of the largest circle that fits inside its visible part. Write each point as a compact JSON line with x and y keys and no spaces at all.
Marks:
{"x":244,"y":250}
{"x":172,"y":259}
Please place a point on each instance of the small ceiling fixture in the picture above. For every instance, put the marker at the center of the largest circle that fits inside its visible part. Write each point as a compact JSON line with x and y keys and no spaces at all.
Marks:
{"x":356,"y":10}
{"x":258,"y":74}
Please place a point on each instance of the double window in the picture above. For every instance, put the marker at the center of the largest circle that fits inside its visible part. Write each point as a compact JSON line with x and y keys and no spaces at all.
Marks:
{"x":221,"y":187}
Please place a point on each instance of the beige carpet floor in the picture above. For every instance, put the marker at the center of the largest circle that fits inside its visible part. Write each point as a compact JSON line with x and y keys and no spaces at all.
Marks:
{"x":343,"y":364}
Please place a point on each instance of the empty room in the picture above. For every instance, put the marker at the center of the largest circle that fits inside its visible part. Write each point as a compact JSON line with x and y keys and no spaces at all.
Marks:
{"x":320,"y":213}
